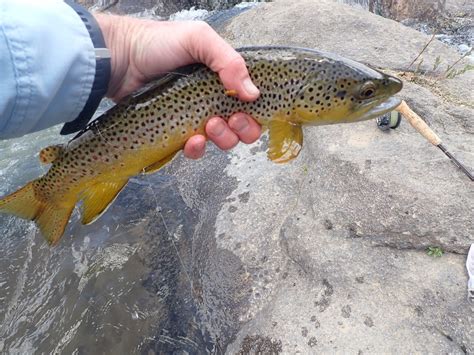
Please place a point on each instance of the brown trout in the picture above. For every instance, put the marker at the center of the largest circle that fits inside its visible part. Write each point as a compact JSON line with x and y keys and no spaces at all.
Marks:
{"x":145,"y":131}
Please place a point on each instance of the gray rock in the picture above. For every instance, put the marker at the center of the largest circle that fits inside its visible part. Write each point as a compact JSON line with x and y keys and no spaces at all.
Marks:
{"x":339,"y":235}
{"x":460,"y":6}
{"x":403,"y":9}
{"x":452,"y":21}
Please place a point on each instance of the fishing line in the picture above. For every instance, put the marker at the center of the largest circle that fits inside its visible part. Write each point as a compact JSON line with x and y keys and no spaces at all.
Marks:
{"x":158,"y":211}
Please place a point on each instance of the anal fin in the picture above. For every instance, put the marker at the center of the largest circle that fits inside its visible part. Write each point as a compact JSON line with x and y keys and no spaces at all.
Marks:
{"x":285,"y":141}
{"x":98,"y":197}
{"x":53,"y":221}
{"x":159,"y":164}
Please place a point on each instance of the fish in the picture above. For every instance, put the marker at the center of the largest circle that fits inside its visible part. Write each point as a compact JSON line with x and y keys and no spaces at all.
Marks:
{"x":145,"y":131}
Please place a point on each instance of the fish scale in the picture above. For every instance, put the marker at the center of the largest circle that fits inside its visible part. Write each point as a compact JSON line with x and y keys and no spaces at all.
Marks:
{"x":144,"y":132}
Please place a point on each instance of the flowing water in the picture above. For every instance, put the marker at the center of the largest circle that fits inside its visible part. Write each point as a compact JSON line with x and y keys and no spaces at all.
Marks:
{"x":146,"y":277}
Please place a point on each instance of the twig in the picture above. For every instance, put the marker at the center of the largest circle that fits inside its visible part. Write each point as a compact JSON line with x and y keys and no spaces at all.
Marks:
{"x":424,"y":48}
{"x":448,"y":69}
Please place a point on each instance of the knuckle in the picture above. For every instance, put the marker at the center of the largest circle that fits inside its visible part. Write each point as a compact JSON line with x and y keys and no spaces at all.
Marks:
{"x":229,"y":143}
{"x":236,"y":61}
{"x":202,"y":26}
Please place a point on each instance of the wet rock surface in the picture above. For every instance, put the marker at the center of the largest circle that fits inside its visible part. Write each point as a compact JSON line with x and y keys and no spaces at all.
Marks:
{"x":338,"y":237}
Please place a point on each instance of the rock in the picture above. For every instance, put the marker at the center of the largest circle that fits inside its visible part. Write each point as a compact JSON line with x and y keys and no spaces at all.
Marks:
{"x":399,"y":10}
{"x":422,"y":311}
{"x":339,"y":235}
{"x":404,"y":9}
{"x":459,"y":6}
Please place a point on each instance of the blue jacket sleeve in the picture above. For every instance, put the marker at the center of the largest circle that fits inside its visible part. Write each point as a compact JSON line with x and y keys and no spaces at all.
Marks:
{"x":47,"y":65}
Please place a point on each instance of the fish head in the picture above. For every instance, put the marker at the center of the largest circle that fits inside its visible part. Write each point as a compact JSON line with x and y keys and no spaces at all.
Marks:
{"x":345,"y":91}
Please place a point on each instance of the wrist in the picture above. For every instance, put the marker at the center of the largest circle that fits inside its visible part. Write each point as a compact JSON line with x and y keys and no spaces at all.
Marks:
{"x":111,"y":27}
{"x":120,"y":33}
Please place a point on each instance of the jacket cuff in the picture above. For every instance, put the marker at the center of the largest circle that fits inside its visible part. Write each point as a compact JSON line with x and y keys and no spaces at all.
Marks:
{"x":102,"y":71}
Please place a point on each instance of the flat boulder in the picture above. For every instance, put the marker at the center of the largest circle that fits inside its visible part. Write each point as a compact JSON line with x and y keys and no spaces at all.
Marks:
{"x":337,"y":241}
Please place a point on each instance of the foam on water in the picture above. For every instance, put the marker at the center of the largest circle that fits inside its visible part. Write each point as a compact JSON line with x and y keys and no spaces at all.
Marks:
{"x":194,"y":13}
{"x":191,"y":14}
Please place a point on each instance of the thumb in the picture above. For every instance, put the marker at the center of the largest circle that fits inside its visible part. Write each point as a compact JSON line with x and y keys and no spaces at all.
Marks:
{"x":235,"y":76}
{"x":206,"y":46}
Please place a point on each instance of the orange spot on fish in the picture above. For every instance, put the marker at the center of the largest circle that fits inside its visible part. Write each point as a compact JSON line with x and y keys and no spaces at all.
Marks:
{"x":232,"y":93}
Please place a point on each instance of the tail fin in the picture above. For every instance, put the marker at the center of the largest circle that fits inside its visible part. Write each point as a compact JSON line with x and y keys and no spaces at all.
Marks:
{"x":51,"y":219}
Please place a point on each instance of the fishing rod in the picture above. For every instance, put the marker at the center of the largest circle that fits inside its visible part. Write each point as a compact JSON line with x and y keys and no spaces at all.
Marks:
{"x":428,"y":133}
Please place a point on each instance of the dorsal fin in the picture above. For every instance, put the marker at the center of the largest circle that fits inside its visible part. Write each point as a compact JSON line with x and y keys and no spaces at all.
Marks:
{"x":49,"y":154}
{"x":164,"y":81}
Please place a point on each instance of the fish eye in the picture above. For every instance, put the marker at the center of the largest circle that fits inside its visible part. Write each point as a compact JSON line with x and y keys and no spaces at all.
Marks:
{"x":367,"y":90}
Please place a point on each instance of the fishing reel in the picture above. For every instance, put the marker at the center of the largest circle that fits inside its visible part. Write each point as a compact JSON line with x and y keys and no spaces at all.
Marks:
{"x":390,"y":120}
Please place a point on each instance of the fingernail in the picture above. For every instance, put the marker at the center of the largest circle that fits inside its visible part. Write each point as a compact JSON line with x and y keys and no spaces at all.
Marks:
{"x":217,"y":128}
{"x":239,"y":123}
{"x":250,"y":87}
{"x":199,"y":146}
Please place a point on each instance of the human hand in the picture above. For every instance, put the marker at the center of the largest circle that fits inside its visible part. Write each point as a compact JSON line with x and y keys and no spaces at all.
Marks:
{"x":143,"y":49}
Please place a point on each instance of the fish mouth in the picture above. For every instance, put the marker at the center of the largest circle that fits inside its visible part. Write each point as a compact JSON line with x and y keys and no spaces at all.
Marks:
{"x":382,"y":108}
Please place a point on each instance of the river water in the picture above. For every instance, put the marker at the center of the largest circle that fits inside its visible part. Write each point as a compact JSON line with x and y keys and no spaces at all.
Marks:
{"x":146,"y":277}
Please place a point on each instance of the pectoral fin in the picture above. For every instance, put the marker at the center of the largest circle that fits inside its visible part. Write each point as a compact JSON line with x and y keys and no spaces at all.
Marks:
{"x":286,"y":141}
{"x":98,"y":197}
